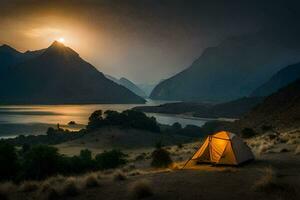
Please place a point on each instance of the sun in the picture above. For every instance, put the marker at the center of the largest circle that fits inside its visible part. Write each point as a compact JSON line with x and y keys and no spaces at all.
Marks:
{"x":61,"y":40}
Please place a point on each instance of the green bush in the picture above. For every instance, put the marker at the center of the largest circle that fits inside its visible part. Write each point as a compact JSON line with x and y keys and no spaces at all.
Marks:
{"x":41,"y":161}
{"x":110,"y":159}
{"x":9,"y":165}
{"x":161,"y":158}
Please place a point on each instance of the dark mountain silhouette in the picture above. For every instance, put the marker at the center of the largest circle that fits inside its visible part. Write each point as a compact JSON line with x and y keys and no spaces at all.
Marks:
{"x":281,"y":110}
{"x":132,"y":86}
{"x":232,"y":69}
{"x":58,"y":75}
{"x":9,"y":56}
{"x":128,"y":84}
{"x":282,"y":78}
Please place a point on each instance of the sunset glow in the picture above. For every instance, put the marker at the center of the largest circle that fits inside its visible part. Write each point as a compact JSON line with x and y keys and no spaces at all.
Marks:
{"x":61,"y":40}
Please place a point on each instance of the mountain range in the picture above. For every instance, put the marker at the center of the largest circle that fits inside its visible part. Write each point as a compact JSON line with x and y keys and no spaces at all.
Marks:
{"x":56,"y":75}
{"x":281,"y":79}
{"x":128,"y":84}
{"x":281,"y":110}
{"x":233,"y":69}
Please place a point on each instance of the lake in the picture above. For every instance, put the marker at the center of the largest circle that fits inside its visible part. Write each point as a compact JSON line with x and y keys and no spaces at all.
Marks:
{"x":35,"y":119}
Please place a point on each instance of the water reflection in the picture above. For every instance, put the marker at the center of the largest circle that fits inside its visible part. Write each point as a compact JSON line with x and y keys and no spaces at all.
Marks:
{"x":12,"y":116}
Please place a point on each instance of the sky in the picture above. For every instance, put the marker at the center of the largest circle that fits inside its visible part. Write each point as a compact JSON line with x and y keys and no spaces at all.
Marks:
{"x":143,"y":40}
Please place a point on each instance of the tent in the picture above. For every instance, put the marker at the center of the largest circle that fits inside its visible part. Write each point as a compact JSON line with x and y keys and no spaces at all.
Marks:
{"x":223,"y":148}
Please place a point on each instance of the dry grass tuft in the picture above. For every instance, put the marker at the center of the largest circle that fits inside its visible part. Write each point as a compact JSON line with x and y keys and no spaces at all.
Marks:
{"x":70,"y":187}
{"x":51,"y":194}
{"x":267,"y":181}
{"x":48,"y":193}
{"x":141,"y":189}
{"x":6,"y":189}
{"x":269,"y":184}
{"x":56,"y":179}
{"x":297,"y":150}
{"x":175,"y":166}
{"x":91,"y":180}
{"x":29,"y":186}
{"x":119,"y":176}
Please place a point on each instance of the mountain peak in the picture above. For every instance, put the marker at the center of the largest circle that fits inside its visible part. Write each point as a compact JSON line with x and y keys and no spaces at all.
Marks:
{"x":57,"y":44}
{"x":58,"y":48}
{"x":8,"y":48}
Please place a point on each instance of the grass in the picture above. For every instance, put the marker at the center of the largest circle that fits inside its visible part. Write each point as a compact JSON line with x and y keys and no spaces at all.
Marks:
{"x":141,"y":189}
{"x":119,"y":176}
{"x":70,"y":187}
{"x":297,"y":150}
{"x":29,"y":186}
{"x":91,"y":180}
{"x":6,"y":189}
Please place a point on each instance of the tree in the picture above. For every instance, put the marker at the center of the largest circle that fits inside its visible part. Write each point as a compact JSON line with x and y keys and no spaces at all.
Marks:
{"x":41,"y":161}
{"x":95,"y":120}
{"x":9,"y":165}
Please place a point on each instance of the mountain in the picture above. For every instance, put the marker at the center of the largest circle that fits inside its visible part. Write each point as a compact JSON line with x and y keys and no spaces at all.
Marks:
{"x":9,"y":56}
{"x":282,"y":78}
{"x":128,"y":84}
{"x":57,"y":75}
{"x":133,"y":87}
{"x":232,"y":69}
{"x":281,"y":110}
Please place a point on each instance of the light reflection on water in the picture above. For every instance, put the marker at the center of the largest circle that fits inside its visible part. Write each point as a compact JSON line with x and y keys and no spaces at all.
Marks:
{"x":63,"y":114}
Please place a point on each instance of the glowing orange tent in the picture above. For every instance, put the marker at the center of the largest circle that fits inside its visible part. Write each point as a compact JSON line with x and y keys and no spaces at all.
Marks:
{"x":223,"y":148}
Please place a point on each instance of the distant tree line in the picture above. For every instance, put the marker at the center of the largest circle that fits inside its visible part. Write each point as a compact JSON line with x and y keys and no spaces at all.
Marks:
{"x":125,"y":119}
{"x":41,"y":161}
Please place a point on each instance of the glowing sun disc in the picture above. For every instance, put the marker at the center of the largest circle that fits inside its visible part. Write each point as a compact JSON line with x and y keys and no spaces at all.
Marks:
{"x":62,"y":40}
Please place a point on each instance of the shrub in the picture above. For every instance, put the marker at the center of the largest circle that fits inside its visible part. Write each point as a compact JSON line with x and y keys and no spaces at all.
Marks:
{"x":269,"y":184}
{"x":91,"y":181}
{"x":119,"y":176}
{"x":29,"y":186}
{"x":110,"y":159}
{"x":9,"y":166}
{"x":297,"y":150}
{"x":41,"y":161}
{"x":70,"y":188}
{"x":50,"y":194}
{"x":248,"y":133}
{"x":6,"y":189}
{"x":141,"y":189}
{"x":161,"y":158}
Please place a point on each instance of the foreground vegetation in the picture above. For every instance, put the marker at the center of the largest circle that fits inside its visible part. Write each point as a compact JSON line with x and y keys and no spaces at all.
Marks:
{"x":41,"y":161}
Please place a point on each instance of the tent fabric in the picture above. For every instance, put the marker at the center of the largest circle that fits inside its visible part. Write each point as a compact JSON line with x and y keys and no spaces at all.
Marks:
{"x":223,"y":148}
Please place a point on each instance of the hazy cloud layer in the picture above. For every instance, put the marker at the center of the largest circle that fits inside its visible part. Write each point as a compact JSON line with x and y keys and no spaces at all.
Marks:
{"x":143,"y":40}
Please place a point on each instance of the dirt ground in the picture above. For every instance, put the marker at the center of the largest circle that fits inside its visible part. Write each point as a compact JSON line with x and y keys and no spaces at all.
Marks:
{"x":278,"y":155}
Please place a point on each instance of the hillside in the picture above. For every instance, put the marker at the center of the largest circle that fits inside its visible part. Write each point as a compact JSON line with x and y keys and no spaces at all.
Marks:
{"x":128,"y":84}
{"x":232,"y":109}
{"x":279,"y":110}
{"x":113,"y":137}
{"x":58,"y":75}
{"x":282,"y":78}
{"x":231,"y":70}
